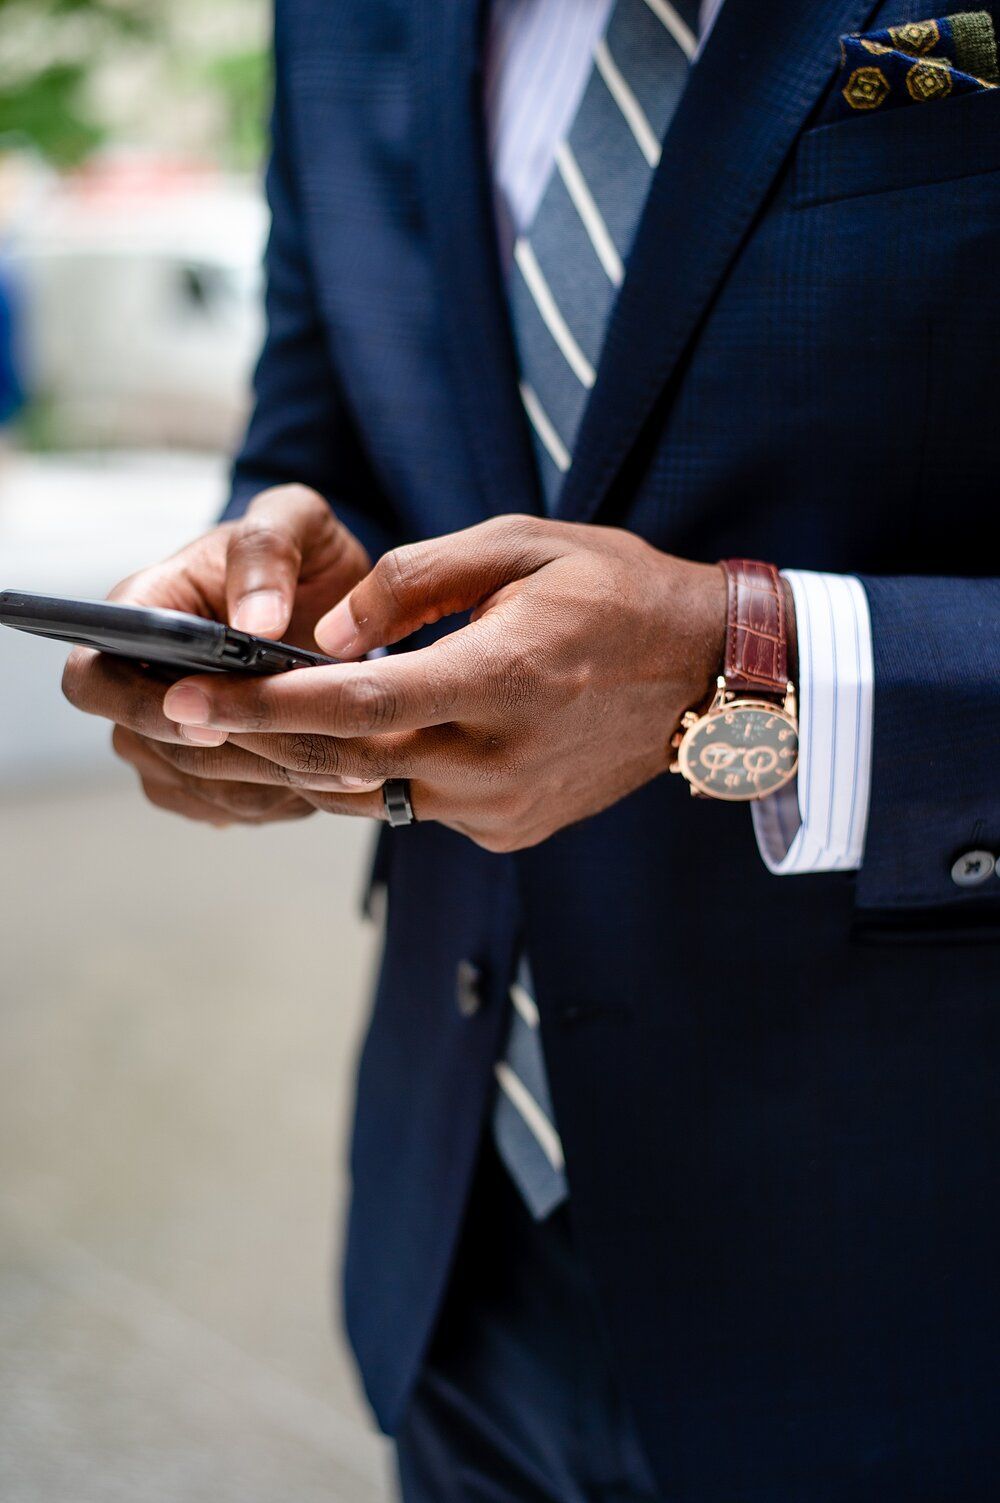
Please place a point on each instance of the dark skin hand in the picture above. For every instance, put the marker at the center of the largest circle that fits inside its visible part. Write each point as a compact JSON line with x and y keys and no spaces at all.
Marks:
{"x":272,"y":573}
{"x":585,"y":647}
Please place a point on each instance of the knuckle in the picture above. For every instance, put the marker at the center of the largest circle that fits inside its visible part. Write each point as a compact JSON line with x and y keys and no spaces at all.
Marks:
{"x":258,"y":538}
{"x":398,"y":572}
{"x":519,"y":532}
{"x":521,"y":524}
{"x":517,"y":680}
{"x":497,"y":842}
{"x":291,"y":494}
{"x":258,"y":717}
{"x":311,"y":755}
{"x":364,"y":762}
{"x":371,"y":703}
{"x":255,"y":711}
{"x":515,"y":834}
{"x":441,"y":690}
{"x":193,"y":761}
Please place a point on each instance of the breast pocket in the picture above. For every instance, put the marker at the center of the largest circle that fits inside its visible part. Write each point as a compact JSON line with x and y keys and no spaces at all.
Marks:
{"x":902,"y":148}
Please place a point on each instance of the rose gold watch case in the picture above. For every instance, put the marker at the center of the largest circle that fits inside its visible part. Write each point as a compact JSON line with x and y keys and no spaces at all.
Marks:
{"x":734,"y":772}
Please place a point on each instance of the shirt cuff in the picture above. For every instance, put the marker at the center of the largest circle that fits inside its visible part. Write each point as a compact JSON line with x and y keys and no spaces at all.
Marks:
{"x":818,"y":823}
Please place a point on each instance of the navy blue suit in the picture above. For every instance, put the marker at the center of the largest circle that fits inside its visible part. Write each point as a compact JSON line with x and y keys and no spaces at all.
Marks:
{"x":779,"y":1098}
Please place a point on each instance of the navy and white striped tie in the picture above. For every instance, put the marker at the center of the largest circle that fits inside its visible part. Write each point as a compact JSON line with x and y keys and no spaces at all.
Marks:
{"x":569,"y":266}
{"x":564,"y":282}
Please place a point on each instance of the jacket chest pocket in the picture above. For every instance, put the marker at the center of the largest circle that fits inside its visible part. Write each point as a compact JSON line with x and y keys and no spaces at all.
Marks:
{"x":944,"y":141}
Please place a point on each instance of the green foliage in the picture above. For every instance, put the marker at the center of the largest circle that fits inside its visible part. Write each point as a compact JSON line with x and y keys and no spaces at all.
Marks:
{"x":127,"y":16}
{"x":46,"y":112}
{"x":38,"y":427}
{"x":241,"y":80}
{"x":44,"y":103}
{"x":50,"y":51}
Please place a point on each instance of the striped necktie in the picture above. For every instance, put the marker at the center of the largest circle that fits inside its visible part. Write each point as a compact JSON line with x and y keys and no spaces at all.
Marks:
{"x":569,"y":266}
{"x":567,"y":272}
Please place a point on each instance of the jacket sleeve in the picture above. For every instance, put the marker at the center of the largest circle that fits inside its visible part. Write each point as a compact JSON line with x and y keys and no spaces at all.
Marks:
{"x":935,"y":786}
{"x":301,"y":429}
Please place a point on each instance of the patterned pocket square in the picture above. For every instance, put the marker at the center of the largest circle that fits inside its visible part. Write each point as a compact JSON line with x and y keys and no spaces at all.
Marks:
{"x":914,"y":63}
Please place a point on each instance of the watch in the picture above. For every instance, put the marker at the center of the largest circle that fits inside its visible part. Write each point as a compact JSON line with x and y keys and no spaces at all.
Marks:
{"x":745,"y":745}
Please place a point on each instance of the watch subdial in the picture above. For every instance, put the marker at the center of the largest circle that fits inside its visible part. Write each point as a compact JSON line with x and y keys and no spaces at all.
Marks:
{"x":742,"y":752}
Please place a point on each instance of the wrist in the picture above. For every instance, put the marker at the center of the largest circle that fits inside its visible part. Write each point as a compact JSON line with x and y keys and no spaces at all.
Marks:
{"x":703,"y":609}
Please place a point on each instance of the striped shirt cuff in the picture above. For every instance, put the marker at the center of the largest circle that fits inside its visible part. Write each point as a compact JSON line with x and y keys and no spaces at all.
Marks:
{"x":818,"y":823}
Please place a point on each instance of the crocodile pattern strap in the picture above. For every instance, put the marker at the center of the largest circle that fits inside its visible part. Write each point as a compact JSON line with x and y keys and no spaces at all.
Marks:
{"x":756,"y":628}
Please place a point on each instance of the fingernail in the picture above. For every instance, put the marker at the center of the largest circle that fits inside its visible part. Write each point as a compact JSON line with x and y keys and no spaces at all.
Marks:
{"x":337,"y":631}
{"x":359,"y":785}
{"x":201,"y":735}
{"x":186,"y":705}
{"x":263,"y":614}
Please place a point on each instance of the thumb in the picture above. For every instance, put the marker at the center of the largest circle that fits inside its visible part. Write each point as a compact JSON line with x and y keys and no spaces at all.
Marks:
{"x":265,"y":556}
{"x":424,"y":582}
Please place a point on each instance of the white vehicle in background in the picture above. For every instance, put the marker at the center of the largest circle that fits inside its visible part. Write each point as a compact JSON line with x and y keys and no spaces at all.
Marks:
{"x":140,"y":285}
{"x":139,"y":293}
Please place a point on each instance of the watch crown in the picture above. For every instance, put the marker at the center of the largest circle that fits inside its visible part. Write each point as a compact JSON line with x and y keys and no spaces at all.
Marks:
{"x":688,"y":719}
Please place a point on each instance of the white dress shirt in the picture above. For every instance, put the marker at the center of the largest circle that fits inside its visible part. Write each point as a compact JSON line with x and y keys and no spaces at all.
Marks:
{"x":538,"y":59}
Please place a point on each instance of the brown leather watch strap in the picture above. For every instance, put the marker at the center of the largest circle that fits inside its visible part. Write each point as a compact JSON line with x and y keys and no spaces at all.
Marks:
{"x":756,"y":628}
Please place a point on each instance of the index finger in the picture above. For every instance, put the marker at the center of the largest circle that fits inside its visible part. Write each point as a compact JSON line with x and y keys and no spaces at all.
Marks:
{"x":447,"y":681}
{"x":114,"y":689}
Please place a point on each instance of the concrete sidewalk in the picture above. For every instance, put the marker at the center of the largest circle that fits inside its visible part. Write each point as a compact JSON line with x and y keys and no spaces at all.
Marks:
{"x":175,"y":1081}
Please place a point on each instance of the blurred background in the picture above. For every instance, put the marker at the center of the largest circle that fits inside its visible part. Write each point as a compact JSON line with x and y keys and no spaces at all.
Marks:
{"x":174,"y":1092}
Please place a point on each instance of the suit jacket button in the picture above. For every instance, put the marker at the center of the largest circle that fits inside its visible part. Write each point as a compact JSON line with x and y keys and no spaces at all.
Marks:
{"x":973,"y":867}
{"x":468,"y":988}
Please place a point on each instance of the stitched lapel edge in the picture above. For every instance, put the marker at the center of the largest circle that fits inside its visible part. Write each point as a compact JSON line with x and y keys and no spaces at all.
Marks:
{"x":746,"y":102}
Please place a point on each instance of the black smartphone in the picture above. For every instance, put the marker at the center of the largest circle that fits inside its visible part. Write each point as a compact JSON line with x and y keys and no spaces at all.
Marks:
{"x":171,"y":639}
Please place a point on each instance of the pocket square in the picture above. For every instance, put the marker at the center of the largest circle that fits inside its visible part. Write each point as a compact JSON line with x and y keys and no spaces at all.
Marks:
{"x":915,"y":63}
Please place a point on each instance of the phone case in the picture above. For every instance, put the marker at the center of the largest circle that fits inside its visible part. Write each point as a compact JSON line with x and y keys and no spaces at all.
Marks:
{"x":148,"y":635}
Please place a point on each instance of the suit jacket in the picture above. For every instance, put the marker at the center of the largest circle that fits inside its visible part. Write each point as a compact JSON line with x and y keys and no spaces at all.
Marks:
{"x":778,"y":1098}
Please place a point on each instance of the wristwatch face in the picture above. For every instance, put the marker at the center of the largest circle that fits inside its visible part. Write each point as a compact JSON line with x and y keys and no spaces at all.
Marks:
{"x":745,"y":750}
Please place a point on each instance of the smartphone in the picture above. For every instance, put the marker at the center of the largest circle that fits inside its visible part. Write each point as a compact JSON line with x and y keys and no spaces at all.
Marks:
{"x":169,"y":639}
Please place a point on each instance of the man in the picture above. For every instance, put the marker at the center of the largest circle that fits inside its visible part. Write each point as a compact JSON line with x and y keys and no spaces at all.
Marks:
{"x":677,"y":1142}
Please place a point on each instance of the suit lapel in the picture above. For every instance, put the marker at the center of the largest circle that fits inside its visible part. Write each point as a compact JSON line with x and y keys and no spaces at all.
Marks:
{"x":459,"y":206}
{"x":762,"y":72}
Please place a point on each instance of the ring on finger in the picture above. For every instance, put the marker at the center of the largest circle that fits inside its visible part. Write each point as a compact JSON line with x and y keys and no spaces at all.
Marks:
{"x":396,"y":798}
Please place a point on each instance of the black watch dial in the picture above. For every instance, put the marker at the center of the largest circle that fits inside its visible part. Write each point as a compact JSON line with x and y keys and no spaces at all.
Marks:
{"x":741,"y":751}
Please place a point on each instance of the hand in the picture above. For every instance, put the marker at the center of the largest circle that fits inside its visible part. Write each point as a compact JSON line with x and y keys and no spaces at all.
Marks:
{"x":272,"y":573}
{"x":585,"y":647}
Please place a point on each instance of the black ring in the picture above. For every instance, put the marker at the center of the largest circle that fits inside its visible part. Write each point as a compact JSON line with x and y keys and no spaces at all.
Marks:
{"x":396,"y":798}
